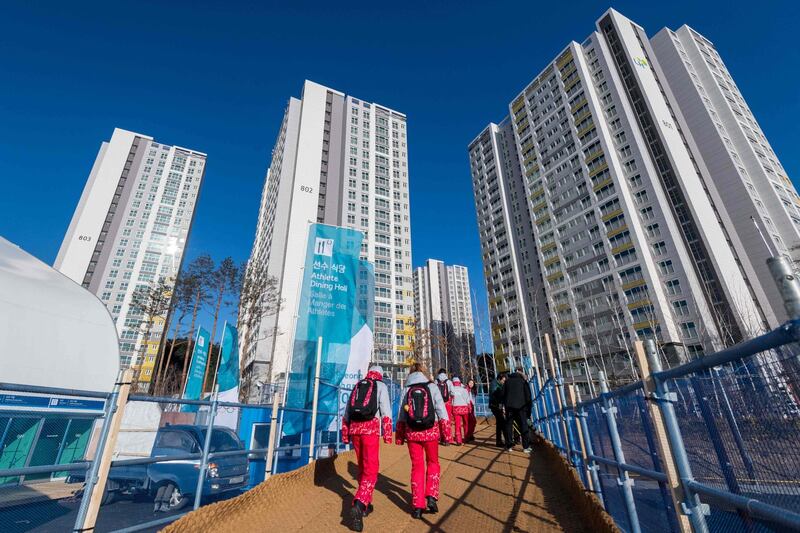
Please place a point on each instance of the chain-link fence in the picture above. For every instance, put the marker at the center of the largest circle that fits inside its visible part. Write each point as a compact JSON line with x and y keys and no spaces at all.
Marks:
{"x":165,"y":456}
{"x":710,"y":445}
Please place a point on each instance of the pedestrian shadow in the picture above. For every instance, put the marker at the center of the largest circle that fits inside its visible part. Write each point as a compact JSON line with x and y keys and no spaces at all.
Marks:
{"x":327,"y":475}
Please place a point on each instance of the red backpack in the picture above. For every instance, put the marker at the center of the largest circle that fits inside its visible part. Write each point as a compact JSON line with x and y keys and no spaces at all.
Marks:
{"x":364,"y":400}
{"x":420,"y":413}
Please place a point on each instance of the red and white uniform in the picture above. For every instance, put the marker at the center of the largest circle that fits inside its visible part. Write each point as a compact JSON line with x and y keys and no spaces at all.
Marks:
{"x":365,"y":436}
{"x":423,"y":446}
{"x":462,"y":405}
{"x":443,"y":379}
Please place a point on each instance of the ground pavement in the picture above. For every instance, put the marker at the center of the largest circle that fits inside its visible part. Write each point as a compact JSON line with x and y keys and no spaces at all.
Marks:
{"x":484,"y":489}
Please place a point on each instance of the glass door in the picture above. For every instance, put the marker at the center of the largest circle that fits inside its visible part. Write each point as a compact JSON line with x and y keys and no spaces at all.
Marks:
{"x":16,"y":445}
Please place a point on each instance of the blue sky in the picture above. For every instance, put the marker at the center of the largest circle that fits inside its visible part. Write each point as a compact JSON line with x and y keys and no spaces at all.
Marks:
{"x":216,"y":77}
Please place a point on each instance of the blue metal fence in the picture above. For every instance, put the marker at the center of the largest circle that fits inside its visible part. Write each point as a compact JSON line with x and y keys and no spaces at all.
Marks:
{"x":731,"y":422}
{"x":61,"y":504}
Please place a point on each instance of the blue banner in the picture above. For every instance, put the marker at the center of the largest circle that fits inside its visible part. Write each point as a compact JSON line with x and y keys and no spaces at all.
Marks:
{"x":228,"y":373}
{"x":336,"y":305}
{"x":197,"y":370}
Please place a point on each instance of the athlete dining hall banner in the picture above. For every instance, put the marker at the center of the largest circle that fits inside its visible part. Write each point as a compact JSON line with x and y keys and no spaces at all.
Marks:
{"x":336,"y":304}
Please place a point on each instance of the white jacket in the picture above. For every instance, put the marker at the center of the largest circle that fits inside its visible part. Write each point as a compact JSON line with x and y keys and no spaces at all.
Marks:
{"x":461,"y":396}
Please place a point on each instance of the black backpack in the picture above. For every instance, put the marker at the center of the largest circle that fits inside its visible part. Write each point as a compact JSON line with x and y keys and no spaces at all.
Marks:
{"x":444,"y":389}
{"x":364,"y":400}
{"x":420,"y":413}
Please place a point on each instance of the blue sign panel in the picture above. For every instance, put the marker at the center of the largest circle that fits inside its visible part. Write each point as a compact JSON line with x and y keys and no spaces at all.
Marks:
{"x":336,"y":305}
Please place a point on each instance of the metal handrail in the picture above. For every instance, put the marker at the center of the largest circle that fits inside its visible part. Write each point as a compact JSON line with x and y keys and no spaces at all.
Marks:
{"x":17,"y":387}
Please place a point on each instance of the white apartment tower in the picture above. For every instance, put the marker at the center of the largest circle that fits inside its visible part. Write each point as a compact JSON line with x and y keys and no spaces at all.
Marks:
{"x":595,"y":209}
{"x":444,"y":329}
{"x":130,"y":230}
{"x":517,"y":303}
{"x":342,"y":161}
{"x":757,"y":201}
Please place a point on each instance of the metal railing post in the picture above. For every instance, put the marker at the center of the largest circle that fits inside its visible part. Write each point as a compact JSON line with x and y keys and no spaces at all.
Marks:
{"x":315,"y":403}
{"x":97,"y":475}
{"x":273,"y":429}
{"x":788,"y":284}
{"x":647,"y":426}
{"x":581,"y":439}
{"x":592,"y":465}
{"x":565,"y":420}
{"x":691,"y":505}
{"x":619,"y":456}
{"x":338,"y":418}
{"x":201,"y":476}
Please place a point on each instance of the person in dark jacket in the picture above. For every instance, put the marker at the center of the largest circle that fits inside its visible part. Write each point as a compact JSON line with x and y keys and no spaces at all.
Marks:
{"x":517,"y":400}
{"x":496,"y":406}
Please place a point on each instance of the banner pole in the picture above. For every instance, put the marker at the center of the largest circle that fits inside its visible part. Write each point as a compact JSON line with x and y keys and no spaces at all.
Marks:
{"x":191,"y":360}
{"x":219,"y":354}
{"x":273,"y":430}
{"x":316,"y":402}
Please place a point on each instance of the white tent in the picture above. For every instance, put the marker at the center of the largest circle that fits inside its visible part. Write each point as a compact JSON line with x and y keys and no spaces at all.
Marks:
{"x":53,"y":332}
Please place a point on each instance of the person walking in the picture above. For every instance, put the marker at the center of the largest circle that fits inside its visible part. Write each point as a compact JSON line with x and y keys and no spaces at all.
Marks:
{"x":446,"y":390}
{"x":367,"y":415}
{"x":462,"y":402}
{"x":472,"y":420}
{"x":517,"y":401}
{"x":420,"y":423}
{"x":496,"y":406}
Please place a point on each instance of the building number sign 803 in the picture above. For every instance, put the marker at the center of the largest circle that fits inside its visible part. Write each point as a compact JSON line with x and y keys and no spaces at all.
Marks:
{"x":85,"y":238}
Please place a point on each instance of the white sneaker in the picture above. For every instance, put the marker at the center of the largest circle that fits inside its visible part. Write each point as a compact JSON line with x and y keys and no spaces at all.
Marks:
{"x":527,"y":450}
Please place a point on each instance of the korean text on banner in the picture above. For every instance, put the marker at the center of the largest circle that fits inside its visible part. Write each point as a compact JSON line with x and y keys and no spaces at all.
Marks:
{"x":336,"y":303}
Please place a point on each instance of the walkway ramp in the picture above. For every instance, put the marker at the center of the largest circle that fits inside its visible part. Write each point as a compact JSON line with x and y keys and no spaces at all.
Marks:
{"x":484,"y":489}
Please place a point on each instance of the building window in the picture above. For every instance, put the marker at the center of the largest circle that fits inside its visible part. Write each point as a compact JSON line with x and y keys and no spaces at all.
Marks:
{"x":673,"y":286}
{"x":681,"y":308}
{"x":689,"y":330}
{"x":665,"y":267}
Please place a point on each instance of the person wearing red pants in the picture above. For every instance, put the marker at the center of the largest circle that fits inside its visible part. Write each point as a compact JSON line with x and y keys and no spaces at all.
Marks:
{"x":472,"y":419}
{"x":462,"y":402}
{"x":446,"y":390}
{"x":420,"y":423}
{"x":367,"y":415}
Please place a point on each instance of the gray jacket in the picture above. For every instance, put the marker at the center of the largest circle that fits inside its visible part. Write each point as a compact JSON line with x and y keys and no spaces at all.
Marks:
{"x":416,"y":378}
{"x":442,"y":378}
{"x":384,"y":404}
{"x":461,"y":396}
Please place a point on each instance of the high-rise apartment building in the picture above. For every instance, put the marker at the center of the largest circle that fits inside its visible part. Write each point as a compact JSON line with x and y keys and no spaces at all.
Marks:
{"x":342,"y":161}
{"x":444,"y":330}
{"x":597,"y":217}
{"x":756,"y":200}
{"x":518,"y":312}
{"x":130,"y":231}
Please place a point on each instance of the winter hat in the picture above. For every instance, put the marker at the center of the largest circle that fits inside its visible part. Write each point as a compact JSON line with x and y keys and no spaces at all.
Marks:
{"x":456,"y":380}
{"x":376,"y":368}
{"x":442,"y":376}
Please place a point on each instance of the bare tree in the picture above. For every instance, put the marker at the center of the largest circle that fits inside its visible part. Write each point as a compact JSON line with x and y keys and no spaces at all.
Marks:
{"x":200,"y":270}
{"x":182,"y":301}
{"x":259,"y":297}
{"x":421,"y":344}
{"x":224,"y":282}
{"x":149,"y":302}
